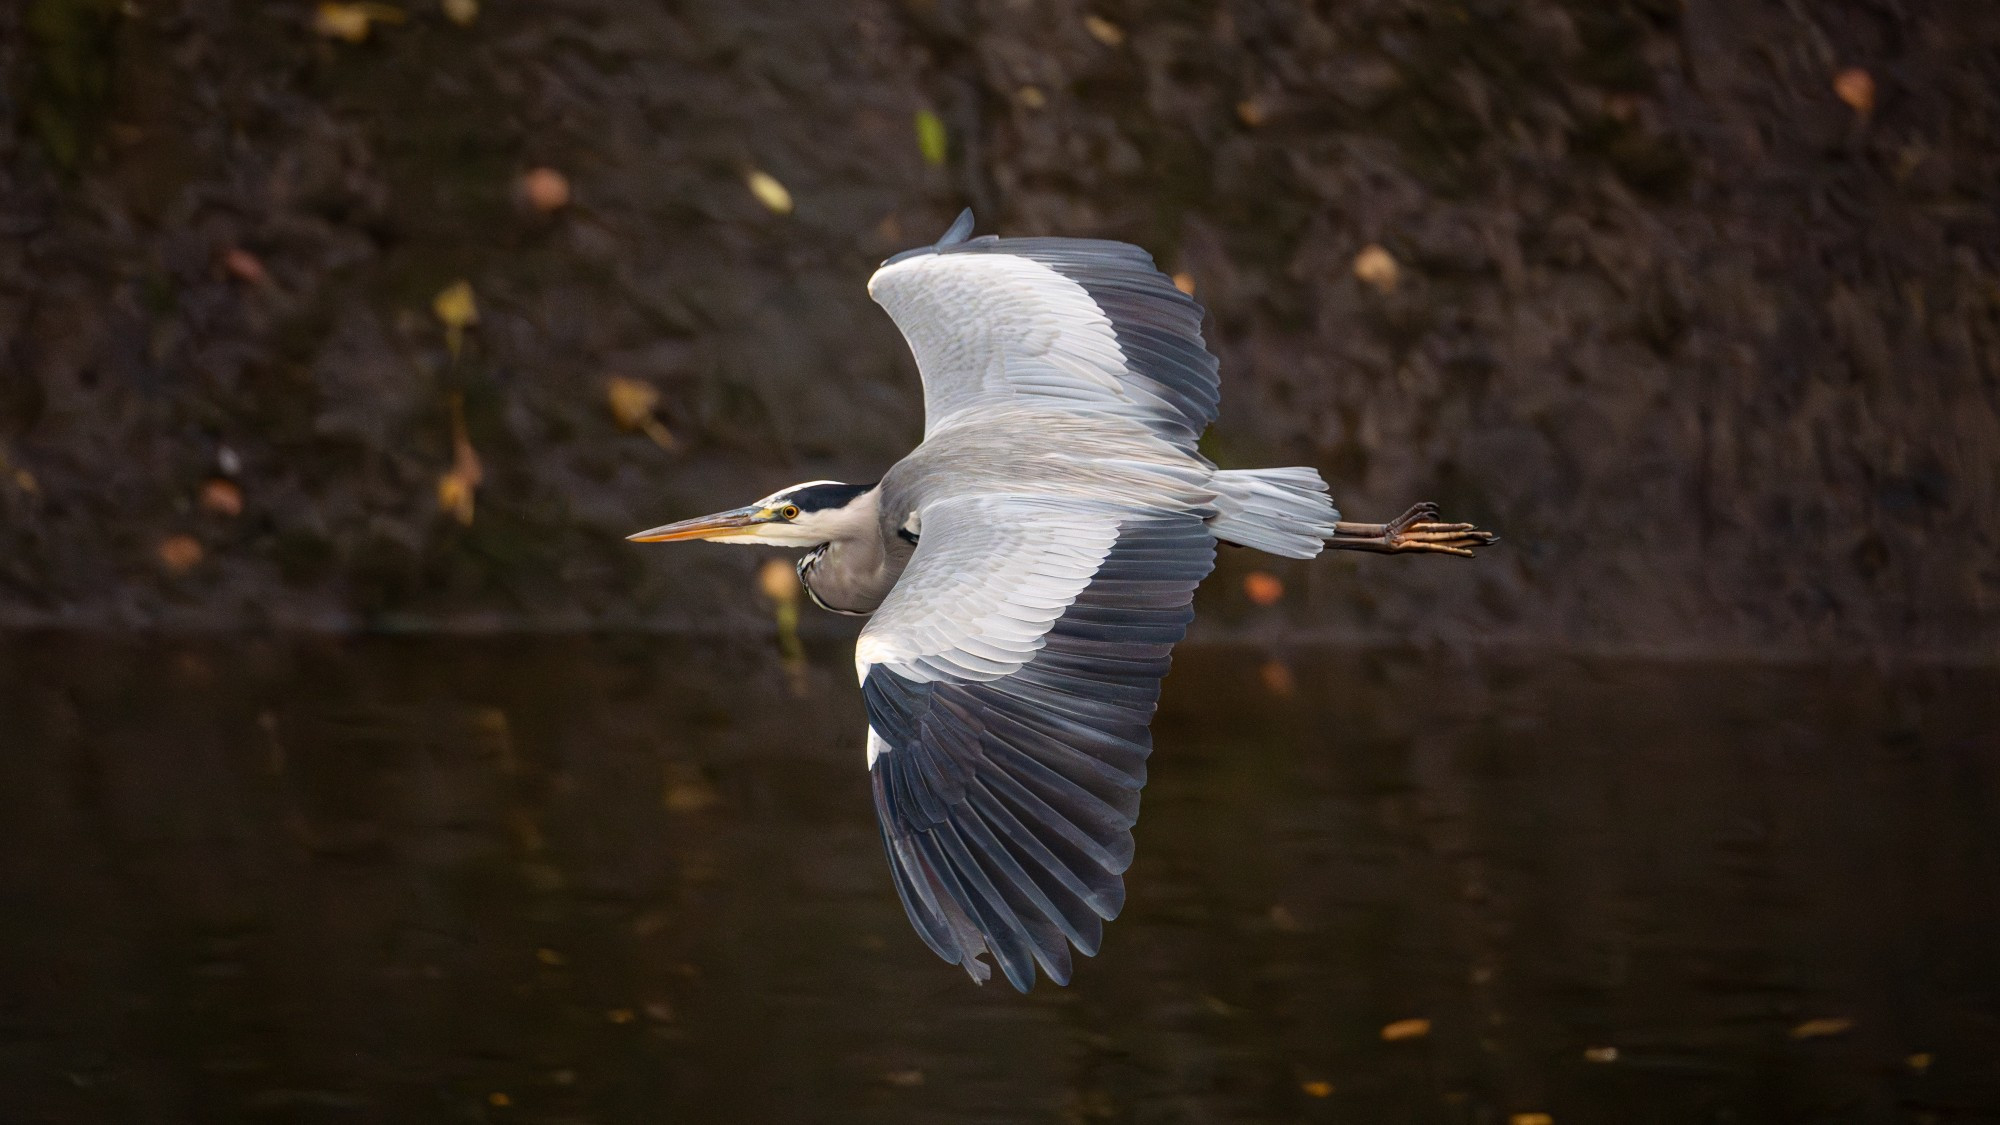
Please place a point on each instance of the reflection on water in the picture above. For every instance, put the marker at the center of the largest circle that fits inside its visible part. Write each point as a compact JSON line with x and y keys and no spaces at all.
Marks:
{"x":623,"y":881}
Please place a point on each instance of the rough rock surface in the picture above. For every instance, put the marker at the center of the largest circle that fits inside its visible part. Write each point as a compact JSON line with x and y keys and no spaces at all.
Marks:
{"x":1716,"y":348}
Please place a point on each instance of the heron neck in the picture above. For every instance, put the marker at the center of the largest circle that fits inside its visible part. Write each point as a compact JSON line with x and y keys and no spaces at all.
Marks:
{"x":854,"y":570}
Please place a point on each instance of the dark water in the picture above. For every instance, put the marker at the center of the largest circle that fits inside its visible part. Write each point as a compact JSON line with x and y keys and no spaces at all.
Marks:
{"x":566,"y":880}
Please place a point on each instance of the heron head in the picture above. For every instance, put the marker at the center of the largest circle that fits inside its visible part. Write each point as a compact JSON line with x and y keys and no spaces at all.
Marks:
{"x":804,"y":515}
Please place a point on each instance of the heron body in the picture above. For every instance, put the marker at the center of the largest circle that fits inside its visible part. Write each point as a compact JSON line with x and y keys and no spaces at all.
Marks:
{"x":1027,"y":570}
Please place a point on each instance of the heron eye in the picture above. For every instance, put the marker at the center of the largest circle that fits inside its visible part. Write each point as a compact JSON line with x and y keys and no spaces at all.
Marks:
{"x":789,"y":511}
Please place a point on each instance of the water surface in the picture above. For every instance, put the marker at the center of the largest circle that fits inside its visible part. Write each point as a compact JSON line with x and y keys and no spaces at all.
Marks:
{"x":575,"y":880}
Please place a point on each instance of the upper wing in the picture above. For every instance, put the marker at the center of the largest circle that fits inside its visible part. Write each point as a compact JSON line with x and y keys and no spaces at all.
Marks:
{"x":1009,"y":679}
{"x":1084,"y":323}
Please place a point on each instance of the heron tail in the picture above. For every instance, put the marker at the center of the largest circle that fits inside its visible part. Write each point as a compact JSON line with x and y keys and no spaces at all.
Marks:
{"x":1283,"y":511}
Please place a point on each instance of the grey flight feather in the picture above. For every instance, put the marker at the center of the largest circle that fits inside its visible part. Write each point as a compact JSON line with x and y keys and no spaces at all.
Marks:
{"x":1062,"y":518}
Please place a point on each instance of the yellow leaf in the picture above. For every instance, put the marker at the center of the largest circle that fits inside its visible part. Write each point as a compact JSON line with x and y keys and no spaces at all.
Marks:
{"x":931,"y":139}
{"x":460,"y":12}
{"x":769,"y":191}
{"x":347,"y":22}
{"x":455,"y":496}
{"x":1822,"y":1027}
{"x":1601,"y":1054}
{"x":1531,"y":1119}
{"x":1031,"y":97}
{"x":499,"y":1100}
{"x":1317,"y":1089}
{"x":454,"y":305}
{"x":1406,"y":1029}
{"x":1104,"y":31}
{"x":1184,"y":282}
{"x":632,"y":401}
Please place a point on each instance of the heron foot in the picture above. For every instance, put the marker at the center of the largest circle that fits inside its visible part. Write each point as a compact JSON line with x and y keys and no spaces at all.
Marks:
{"x":1419,"y":529}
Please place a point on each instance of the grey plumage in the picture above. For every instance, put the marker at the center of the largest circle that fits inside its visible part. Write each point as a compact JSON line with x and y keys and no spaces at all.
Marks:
{"x":1029,"y":568}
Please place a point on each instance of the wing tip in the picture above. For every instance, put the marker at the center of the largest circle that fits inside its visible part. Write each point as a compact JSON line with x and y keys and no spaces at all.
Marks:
{"x":959,"y":230}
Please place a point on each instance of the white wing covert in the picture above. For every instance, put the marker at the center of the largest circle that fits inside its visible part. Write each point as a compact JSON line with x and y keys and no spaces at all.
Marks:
{"x":1087,"y":324}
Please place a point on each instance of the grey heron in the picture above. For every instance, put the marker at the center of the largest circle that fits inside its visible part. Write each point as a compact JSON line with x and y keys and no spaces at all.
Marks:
{"x":1027,"y":569}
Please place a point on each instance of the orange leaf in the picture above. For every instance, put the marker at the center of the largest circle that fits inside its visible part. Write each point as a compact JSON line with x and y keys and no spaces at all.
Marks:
{"x":1263,"y":587}
{"x":1406,"y":1029}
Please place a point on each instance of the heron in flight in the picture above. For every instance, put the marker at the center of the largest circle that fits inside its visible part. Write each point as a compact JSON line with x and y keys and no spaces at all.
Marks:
{"x":1027,"y":569}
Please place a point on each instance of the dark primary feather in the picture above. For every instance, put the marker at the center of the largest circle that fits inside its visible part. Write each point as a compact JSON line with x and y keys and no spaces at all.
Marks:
{"x":1007,"y":805}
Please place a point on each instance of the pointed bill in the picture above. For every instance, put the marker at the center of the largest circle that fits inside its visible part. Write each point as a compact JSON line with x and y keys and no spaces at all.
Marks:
{"x":721,"y":525}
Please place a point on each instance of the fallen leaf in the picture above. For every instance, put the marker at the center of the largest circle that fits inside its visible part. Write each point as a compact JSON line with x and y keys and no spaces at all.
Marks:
{"x":1184,"y":282}
{"x":632,"y":402}
{"x":1600,"y":1054}
{"x":545,"y":189}
{"x":1822,"y":1027}
{"x":779,"y":580}
{"x":1277,"y":678}
{"x":1263,"y":588}
{"x":1221,"y":1007}
{"x":244,"y":266}
{"x":455,"y":496}
{"x":1250,"y":112}
{"x":931,"y":139}
{"x":457,"y":311}
{"x":1031,"y":96}
{"x":1531,"y":1119}
{"x":1104,"y":31}
{"x":460,"y":12}
{"x":350,"y":22}
{"x":456,"y":486}
{"x":1317,"y":1088}
{"x":1406,"y":1029}
{"x":180,"y":553}
{"x":1374,"y":266}
{"x":347,"y":22}
{"x":904,"y":1078}
{"x":769,"y":191}
{"x":1856,"y":87}
{"x":687,"y":791}
{"x":222,"y":497}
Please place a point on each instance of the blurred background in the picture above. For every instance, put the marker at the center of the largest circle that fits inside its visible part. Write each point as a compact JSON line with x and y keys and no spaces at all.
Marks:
{"x":334,"y":334}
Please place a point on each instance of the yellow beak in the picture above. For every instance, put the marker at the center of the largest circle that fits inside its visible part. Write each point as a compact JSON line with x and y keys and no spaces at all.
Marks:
{"x":721,"y":525}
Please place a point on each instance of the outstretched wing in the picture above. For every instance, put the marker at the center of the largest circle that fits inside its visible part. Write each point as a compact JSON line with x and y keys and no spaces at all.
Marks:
{"x":1010,"y":677}
{"x":1085,"y":324}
